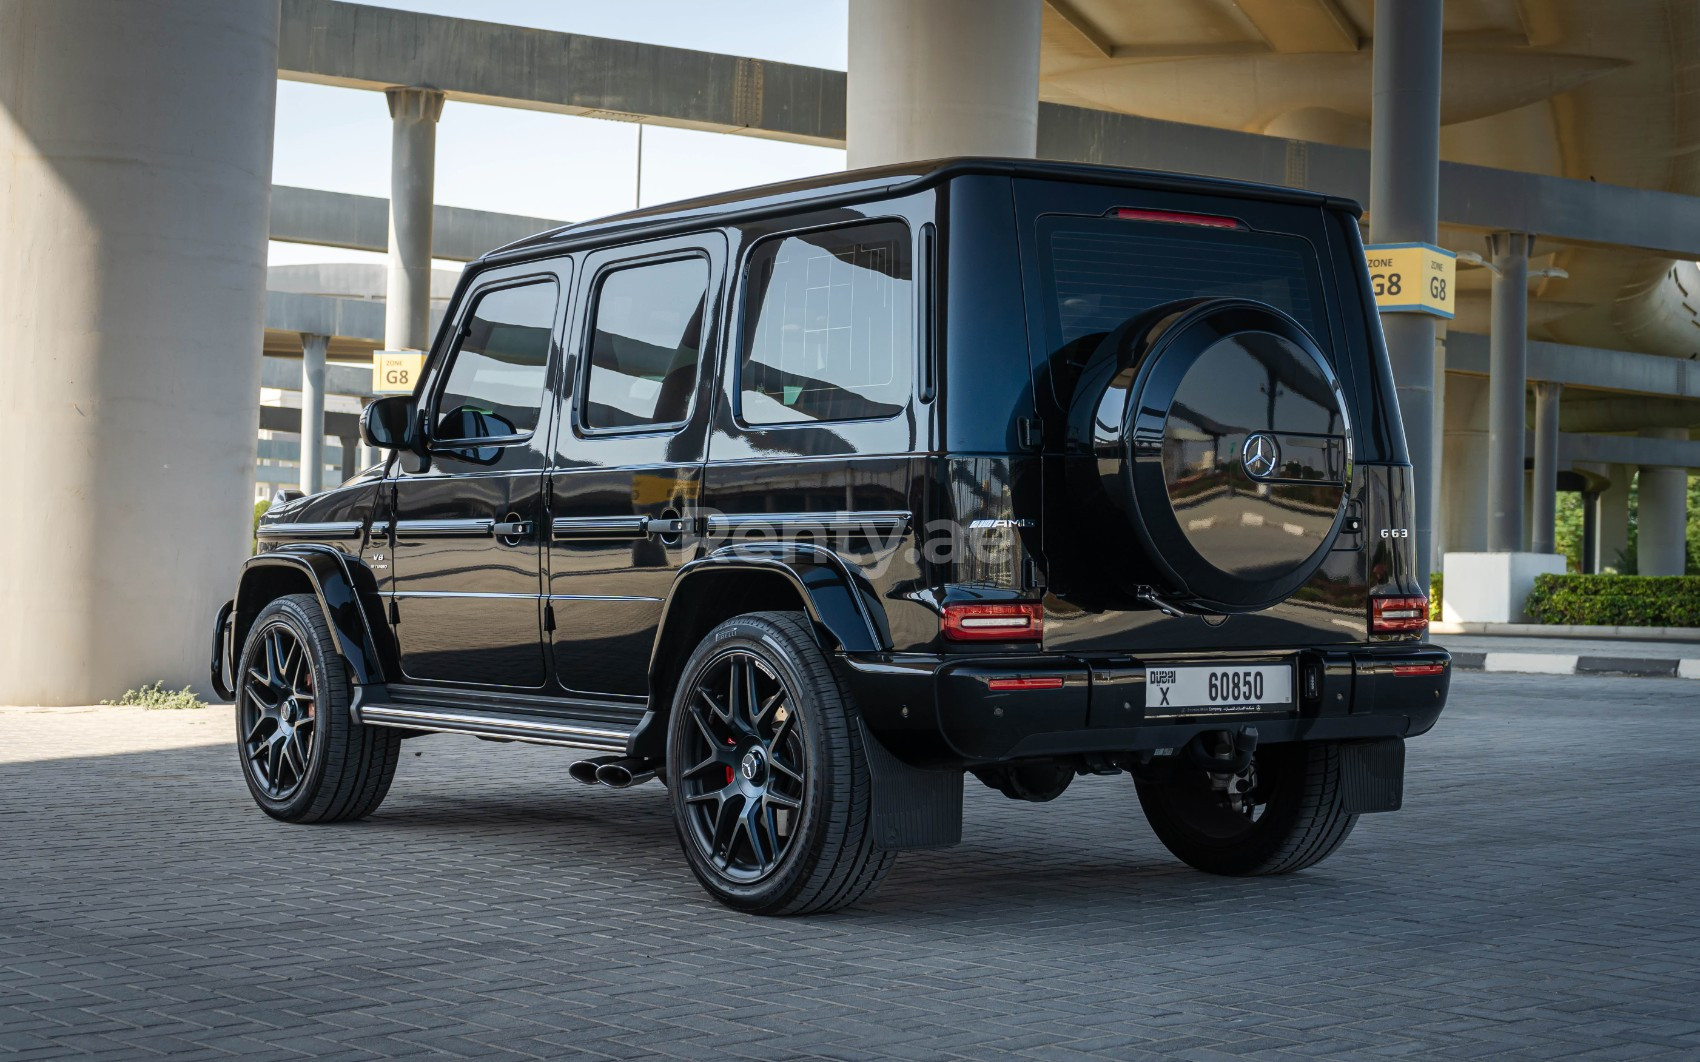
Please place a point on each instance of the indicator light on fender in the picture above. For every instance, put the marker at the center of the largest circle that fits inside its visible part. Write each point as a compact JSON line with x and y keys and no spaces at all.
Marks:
{"x":1001,"y":622}
{"x":1419,"y":669}
{"x":999,"y":685}
{"x":1175,"y":217}
{"x":1398,"y":615}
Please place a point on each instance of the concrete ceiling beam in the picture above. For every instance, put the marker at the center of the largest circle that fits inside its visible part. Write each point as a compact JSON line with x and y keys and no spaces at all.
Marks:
{"x":361,"y":222}
{"x":358,"y":46}
{"x":1587,"y":367}
{"x":1316,"y":26}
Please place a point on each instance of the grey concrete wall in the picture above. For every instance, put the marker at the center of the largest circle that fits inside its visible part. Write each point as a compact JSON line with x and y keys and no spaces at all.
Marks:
{"x":135,"y":163}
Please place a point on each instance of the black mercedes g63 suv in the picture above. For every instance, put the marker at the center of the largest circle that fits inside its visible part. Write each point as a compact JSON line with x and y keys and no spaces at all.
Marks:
{"x":810,"y":500}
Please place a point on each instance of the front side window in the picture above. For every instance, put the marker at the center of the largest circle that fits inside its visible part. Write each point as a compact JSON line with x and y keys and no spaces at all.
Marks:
{"x":645,"y":344}
{"x":495,"y":383}
{"x":828,"y":326}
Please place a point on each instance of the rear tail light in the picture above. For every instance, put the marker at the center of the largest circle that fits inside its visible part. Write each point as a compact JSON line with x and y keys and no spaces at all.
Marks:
{"x":1175,"y":217}
{"x":1002,"y":622}
{"x":1419,"y":669}
{"x":1396,"y":615}
{"x":999,"y":685}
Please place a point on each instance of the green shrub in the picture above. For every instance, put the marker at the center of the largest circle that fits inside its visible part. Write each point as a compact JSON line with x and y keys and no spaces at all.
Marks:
{"x":1616,"y":600}
{"x":260,"y":509}
{"x":1435,"y":584}
{"x":157,"y":696}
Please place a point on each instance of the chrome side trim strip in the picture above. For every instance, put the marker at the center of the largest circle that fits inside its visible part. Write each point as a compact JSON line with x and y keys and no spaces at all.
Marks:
{"x":885,"y":522}
{"x":461,"y":593}
{"x":535,"y":731}
{"x":328,"y":529}
{"x":598,"y":527}
{"x":443,"y":528}
{"x":601,"y":597}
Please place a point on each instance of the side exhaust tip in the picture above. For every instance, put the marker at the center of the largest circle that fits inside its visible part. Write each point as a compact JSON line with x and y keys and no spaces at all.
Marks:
{"x":584,"y":771}
{"x":624,"y":773}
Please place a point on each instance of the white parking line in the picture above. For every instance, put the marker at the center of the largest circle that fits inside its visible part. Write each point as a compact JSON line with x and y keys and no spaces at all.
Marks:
{"x":1534,"y":663}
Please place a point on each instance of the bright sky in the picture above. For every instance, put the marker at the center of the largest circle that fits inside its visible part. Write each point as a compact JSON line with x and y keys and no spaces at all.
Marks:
{"x":553,"y":166}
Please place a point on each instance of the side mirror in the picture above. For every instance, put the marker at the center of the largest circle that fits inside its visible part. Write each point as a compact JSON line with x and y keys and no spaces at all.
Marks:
{"x":388,"y":423}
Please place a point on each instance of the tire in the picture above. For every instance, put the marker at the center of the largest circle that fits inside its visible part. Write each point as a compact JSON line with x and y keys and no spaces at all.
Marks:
{"x":770,"y":786}
{"x":1301,"y":822}
{"x":303,"y":756}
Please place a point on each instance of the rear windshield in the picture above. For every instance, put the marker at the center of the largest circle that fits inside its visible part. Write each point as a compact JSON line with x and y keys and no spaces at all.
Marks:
{"x":1098,"y":272}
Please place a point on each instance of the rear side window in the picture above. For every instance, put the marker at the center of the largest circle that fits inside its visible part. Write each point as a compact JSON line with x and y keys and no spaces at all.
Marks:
{"x":645,"y":343}
{"x":829,"y":328}
{"x":495,"y":383}
{"x":1098,"y":272}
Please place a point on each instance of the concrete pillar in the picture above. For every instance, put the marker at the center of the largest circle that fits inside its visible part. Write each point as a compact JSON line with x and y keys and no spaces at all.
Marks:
{"x":1662,"y":517}
{"x":1508,"y":366}
{"x":350,"y":456}
{"x":1404,"y":204}
{"x":413,"y":178}
{"x":1612,"y":539}
{"x":1543,"y":532}
{"x":1437,"y":448}
{"x":1463,"y":506}
{"x":135,"y":173}
{"x":413,"y":175}
{"x":313,"y":412}
{"x":944,"y":77}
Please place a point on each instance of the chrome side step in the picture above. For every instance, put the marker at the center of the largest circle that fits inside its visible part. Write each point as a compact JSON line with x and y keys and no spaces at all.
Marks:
{"x":488,"y":724}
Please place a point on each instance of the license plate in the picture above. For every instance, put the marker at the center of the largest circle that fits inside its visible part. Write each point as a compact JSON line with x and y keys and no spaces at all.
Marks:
{"x":1225,"y":689}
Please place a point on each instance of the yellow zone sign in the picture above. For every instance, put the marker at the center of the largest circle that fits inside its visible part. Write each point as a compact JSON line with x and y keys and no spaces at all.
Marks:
{"x":396,"y":371}
{"x":1412,"y":278}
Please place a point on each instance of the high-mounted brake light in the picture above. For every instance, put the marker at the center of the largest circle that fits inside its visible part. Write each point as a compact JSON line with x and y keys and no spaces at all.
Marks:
{"x":1397,"y":615}
{"x":999,"y":685}
{"x":1175,"y":217}
{"x":986,"y":622}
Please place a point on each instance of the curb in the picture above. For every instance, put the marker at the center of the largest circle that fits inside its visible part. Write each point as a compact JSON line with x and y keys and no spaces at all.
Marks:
{"x":1549,"y":630}
{"x":1577,"y":664}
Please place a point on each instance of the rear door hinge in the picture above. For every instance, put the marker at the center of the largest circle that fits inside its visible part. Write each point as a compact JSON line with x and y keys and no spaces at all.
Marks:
{"x":395,"y":612}
{"x":548,"y":616}
{"x":1029,"y":433}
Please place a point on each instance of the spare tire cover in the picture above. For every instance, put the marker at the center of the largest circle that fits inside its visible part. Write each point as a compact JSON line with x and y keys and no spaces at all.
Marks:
{"x":1225,"y":440}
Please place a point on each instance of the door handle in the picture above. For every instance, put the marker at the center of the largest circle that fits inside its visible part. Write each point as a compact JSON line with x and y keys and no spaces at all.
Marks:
{"x":512,"y":528}
{"x":657,"y":526}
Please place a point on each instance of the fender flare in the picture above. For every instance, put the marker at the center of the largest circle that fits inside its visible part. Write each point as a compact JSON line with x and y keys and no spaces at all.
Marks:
{"x":843,"y":611}
{"x":838,"y":601}
{"x":348,"y":595}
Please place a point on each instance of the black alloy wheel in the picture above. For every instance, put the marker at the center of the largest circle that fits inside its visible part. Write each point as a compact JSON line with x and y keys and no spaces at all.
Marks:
{"x":304,"y":756}
{"x":1283,"y":813}
{"x":768,"y":774}
{"x":743,"y":791}
{"x":279,"y":711}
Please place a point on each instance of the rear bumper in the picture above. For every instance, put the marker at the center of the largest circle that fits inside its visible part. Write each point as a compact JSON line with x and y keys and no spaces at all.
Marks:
{"x":945,"y":711}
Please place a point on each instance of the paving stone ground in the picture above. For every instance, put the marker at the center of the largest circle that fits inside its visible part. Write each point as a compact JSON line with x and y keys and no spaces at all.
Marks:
{"x":1535,"y":899}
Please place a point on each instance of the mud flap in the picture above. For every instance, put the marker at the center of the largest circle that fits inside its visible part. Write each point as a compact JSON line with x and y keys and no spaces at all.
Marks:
{"x":913,"y":807}
{"x":1372,"y":775}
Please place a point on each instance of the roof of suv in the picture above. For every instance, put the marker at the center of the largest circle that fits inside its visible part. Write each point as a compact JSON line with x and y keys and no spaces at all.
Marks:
{"x":862,"y":184}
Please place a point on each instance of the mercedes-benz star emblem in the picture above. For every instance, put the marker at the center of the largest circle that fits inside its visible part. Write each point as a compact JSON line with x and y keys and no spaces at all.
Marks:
{"x":1261,"y":455}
